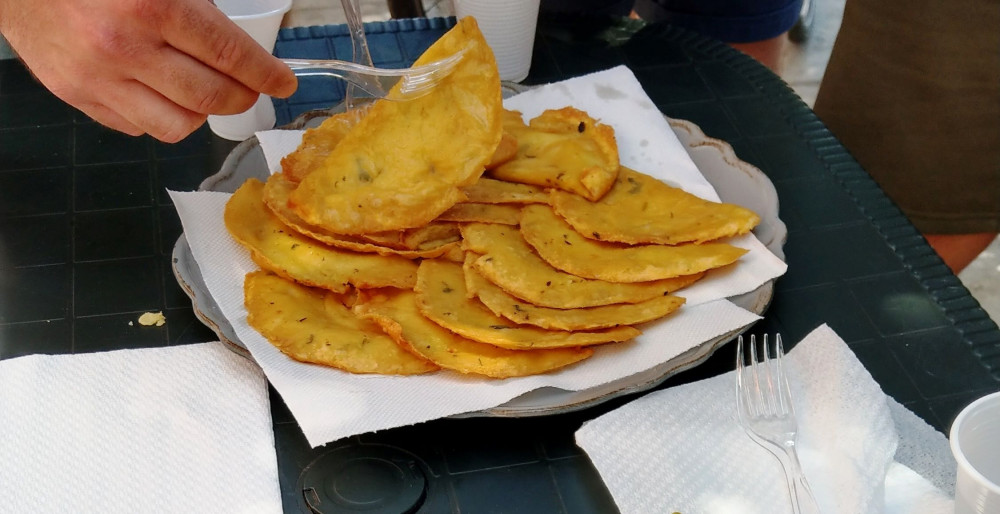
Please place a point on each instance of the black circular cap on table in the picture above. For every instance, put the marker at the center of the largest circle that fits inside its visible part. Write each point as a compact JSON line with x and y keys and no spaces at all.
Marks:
{"x":363,"y":479}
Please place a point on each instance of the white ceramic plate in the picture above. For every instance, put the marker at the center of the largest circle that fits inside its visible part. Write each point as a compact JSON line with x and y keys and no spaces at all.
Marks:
{"x":736,"y":182}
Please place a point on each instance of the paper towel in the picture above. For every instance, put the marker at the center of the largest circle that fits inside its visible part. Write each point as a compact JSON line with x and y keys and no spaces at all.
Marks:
{"x":682,"y":449}
{"x":367,"y":403}
{"x":176,"y":429}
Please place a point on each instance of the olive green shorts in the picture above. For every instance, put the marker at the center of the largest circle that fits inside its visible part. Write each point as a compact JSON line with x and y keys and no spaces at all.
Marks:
{"x":913,"y":91}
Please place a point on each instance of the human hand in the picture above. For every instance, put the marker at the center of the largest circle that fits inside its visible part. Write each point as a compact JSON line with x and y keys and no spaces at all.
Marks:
{"x":143,"y":66}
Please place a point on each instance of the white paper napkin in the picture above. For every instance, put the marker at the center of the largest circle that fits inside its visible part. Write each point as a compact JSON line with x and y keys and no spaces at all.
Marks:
{"x":682,"y":449}
{"x":176,"y":429}
{"x":330,"y":404}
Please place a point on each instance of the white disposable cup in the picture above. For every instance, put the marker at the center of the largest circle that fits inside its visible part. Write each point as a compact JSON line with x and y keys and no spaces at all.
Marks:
{"x":261,"y":19}
{"x":975,"y":442}
{"x":509,"y":28}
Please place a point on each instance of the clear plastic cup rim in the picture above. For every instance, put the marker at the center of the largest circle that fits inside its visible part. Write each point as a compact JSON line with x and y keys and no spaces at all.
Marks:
{"x":963,"y":462}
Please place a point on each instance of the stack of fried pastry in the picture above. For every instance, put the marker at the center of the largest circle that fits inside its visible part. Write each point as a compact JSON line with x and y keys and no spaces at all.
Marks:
{"x":443,"y":232}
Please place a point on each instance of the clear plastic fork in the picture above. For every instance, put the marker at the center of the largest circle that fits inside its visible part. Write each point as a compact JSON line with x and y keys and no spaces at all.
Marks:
{"x":377,"y":82}
{"x":359,"y":45}
{"x":764,"y":404}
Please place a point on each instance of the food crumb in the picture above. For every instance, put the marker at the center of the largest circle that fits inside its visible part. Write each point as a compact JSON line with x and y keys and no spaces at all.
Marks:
{"x":152,"y":318}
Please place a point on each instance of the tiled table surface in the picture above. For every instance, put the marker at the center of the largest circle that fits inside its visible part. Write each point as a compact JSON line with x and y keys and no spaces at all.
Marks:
{"x":86,"y":231}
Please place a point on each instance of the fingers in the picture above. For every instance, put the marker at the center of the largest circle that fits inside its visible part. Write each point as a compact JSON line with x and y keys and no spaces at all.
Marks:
{"x":194,"y":86}
{"x":124,"y":104}
{"x":110,"y":119}
{"x":135,"y":109}
{"x":144,"y":66}
{"x":153,"y":113}
{"x":203,"y":32}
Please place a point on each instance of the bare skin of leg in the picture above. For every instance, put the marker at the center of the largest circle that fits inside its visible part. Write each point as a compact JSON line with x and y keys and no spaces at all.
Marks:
{"x":958,"y":250}
{"x":767,"y":52}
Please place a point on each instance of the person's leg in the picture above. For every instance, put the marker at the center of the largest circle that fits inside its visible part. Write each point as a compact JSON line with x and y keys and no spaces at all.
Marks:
{"x":958,"y":250}
{"x":767,"y":52}
{"x":759,"y":28}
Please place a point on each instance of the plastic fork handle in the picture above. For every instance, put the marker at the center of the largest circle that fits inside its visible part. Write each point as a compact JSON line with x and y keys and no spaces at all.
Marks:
{"x":803,"y":501}
{"x":361,"y":69}
{"x":344,"y":66}
{"x":366,"y":83}
{"x":359,"y":43}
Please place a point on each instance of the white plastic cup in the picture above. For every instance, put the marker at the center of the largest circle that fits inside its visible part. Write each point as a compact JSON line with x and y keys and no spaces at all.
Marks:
{"x":975,"y":442}
{"x":509,"y":28}
{"x":261,"y":19}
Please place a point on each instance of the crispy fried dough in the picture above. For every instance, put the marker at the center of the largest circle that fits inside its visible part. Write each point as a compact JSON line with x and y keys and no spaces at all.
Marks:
{"x":483,"y":213}
{"x":641,"y":209}
{"x":405,"y":162}
{"x":318,"y":142}
{"x":488,"y":190}
{"x":590,"y":318}
{"x":428,"y":237}
{"x":505,"y":151}
{"x":565,"y":249}
{"x":278,"y":248}
{"x":311,"y":325}
{"x":276,"y":192}
{"x":509,"y":262}
{"x":396,"y":312}
{"x":562,"y":148}
{"x":442,"y":298}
